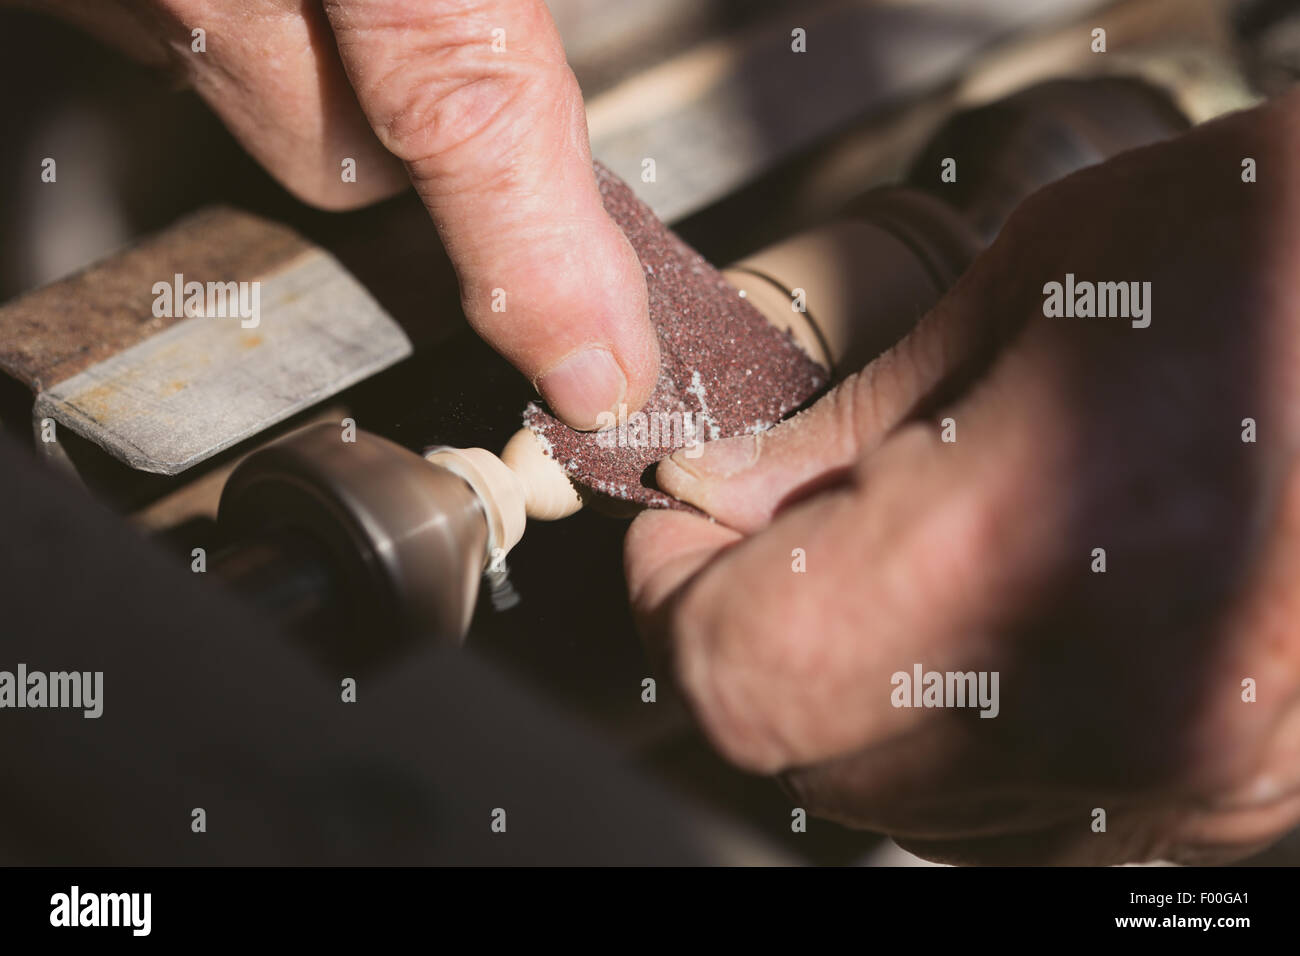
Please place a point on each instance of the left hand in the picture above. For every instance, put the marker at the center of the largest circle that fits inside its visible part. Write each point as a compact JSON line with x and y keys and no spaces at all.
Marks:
{"x":1120,"y":691}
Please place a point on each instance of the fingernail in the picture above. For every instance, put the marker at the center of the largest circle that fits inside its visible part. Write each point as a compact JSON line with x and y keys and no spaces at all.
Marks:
{"x":582,"y":386}
{"x":716,"y":460}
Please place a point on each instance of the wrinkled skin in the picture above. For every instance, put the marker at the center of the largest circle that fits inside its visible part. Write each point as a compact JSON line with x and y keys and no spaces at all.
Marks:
{"x":495,"y":142}
{"x":1119,"y":690}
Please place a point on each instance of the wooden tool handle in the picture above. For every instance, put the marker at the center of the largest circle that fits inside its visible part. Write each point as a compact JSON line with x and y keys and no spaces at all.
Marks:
{"x":849,"y":290}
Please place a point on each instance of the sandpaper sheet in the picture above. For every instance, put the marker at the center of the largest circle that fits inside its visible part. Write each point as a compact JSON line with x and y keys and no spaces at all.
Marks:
{"x":722,"y":363}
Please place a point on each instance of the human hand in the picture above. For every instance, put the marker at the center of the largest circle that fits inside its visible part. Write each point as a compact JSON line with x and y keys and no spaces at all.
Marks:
{"x":488,"y":125}
{"x":1120,"y":690}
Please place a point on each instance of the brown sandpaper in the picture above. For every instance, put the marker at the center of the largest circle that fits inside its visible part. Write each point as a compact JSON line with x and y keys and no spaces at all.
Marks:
{"x":725,"y":370}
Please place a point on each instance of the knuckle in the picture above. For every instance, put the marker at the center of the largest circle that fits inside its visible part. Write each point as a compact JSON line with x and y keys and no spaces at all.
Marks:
{"x":858,"y":406}
{"x":473,"y":96}
{"x":440,"y":119}
{"x":454,"y":96}
{"x":873,"y":400}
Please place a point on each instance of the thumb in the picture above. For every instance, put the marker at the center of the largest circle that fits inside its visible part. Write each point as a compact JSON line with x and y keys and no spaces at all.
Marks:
{"x":743,"y":481}
{"x":478,"y":101}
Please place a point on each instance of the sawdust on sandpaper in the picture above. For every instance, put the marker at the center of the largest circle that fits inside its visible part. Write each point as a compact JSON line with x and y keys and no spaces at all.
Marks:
{"x":725,"y":370}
